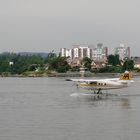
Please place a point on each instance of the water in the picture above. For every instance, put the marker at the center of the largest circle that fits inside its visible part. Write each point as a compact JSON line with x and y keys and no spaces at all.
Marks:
{"x":53,"y":109}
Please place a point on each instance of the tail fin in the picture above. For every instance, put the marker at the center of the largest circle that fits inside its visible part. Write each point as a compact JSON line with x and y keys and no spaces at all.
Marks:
{"x":125,"y":76}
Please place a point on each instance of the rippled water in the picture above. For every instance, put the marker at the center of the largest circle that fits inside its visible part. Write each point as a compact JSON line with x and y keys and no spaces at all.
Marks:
{"x":53,"y":109}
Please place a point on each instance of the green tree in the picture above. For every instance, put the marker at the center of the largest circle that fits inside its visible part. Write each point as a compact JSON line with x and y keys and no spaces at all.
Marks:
{"x":128,"y":65}
{"x":113,"y":60}
{"x":59,"y":64}
{"x":4,"y":66}
{"x":87,"y":62}
{"x":20,"y":63}
{"x":51,"y":56}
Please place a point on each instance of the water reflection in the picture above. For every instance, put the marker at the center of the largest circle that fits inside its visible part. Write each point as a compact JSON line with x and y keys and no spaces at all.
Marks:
{"x":98,"y":99}
{"x":125,"y":103}
{"x":93,"y":97}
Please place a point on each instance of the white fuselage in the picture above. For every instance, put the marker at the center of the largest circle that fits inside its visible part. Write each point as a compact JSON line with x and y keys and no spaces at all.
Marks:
{"x":102,"y":84}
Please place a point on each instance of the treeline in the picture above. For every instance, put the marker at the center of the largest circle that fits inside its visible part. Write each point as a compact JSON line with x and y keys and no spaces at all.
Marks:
{"x":114,"y":64}
{"x":18,"y":64}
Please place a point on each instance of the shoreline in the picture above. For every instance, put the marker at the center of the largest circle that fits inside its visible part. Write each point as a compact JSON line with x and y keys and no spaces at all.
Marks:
{"x":68,"y":74}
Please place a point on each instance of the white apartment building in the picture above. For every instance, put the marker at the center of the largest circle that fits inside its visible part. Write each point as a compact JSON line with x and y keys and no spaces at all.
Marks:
{"x":123,"y":51}
{"x":75,"y":52}
{"x":99,"y":52}
{"x":66,"y":52}
{"x":81,"y":51}
{"x":78,"y":52}
{"x":63,"y":52}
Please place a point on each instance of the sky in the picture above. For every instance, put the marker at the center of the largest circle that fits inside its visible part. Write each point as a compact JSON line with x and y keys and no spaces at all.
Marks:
{"x":46,"y":25}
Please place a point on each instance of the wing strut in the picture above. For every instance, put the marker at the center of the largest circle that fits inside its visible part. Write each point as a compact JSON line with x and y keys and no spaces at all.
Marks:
{"x":99,"y":91}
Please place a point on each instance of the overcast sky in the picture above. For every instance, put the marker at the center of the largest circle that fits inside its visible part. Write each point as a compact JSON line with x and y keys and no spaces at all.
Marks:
{"x":45,"y":25}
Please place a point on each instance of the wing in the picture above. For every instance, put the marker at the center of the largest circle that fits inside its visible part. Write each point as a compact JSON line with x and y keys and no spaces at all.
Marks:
{"x":83,"y":80}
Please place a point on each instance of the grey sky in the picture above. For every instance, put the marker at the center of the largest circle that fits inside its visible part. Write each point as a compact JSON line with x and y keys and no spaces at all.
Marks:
{"x":45,"y":25}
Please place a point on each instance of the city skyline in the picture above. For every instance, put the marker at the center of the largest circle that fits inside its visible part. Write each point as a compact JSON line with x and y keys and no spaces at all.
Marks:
{"x":42,"y":26}
{"x":98,"y":52}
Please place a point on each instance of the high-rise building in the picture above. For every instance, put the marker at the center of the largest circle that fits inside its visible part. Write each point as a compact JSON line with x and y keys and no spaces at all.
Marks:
{"x":123,"y":51}
{"x":65,"y":52}
{"x":78,"y":52}
{"x":99,"y":52}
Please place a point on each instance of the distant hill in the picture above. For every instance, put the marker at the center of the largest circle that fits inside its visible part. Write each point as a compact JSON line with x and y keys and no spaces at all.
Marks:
{"x":42,"y":54}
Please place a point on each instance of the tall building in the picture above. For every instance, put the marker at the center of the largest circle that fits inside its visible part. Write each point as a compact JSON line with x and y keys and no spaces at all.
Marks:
{"x":81,"y":51}
{"x":100,"y":52}
{"x":123,"y":51}
{"x":65,"y":52}
{"x":77,"y":52}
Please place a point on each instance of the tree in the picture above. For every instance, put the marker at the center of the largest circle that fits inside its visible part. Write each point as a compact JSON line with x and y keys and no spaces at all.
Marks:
{"x":21,"y":63}
{"x":51,"y":56}
{"x":87,"y":62}
{"x":128,"y":65}
{"x":59,"y":64}
{"x":113,"y":60}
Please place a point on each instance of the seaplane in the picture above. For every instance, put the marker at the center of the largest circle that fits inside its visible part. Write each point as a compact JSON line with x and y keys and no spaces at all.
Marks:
{"x":97,"y":85}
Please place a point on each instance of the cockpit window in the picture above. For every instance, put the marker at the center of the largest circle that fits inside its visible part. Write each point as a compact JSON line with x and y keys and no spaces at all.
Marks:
{"x":94,"y":82}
